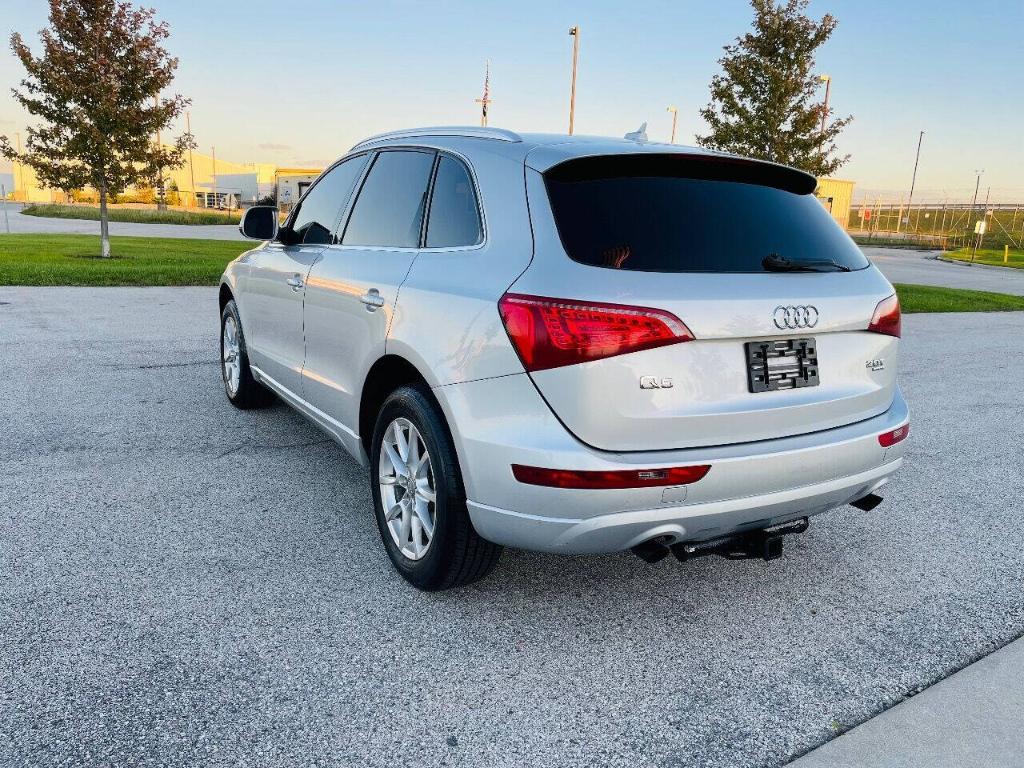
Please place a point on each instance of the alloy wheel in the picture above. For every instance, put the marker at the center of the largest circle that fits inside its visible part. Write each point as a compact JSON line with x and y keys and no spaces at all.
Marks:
{"x":230,"y":351}
{"x":407,"y":489}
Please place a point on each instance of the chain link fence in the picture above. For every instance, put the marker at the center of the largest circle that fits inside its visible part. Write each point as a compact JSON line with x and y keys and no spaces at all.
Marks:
{"x":945,"y":226}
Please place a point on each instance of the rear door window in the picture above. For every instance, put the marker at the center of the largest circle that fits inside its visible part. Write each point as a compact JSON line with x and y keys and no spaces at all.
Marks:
{"x":680,"y":213}
{"x":390,"y":206}
{"x":454,"y":214}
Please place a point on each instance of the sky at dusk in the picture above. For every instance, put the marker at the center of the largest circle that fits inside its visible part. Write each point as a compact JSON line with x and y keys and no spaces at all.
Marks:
{"x":298,"y":83}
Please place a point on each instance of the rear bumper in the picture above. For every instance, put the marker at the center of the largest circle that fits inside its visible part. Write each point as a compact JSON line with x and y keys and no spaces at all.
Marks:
{"x":686,"y":522}
{"x":500,"y":422}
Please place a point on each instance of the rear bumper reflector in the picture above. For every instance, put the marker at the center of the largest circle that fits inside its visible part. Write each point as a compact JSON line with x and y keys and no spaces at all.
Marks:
{"x":888,"y":439}
{"x":626,"y":478}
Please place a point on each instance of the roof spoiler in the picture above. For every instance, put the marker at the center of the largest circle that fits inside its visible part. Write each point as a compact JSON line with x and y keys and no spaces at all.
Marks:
{"x":710,"y":167}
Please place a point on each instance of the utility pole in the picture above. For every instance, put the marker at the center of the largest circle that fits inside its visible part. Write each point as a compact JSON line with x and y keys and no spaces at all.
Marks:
{"x":675,"y":117}
{"x":3,"y":202}
{"x":977,"y":240}
{"x":575,"y":33}
{"x":984,"y":224}
{"x":483,"y":102}
{"x":161,"y":194}
{"x":974,"y":201}
{"x":191,"y":167}
{"x":913,"y":181}
{"x":827,"y":80}
{"x":213,"y":153}
{"x":21,"y":170}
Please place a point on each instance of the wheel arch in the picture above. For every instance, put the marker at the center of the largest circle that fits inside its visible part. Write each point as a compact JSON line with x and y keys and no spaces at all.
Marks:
{"x":225,"y":295}
{"x":387,"y":374}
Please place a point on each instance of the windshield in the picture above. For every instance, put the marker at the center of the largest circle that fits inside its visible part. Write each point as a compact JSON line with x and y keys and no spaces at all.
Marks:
{"x":679,"y":213}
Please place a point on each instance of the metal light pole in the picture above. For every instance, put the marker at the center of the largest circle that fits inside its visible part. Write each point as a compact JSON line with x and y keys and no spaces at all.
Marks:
{"x":675,"y":117}
{"x":827,"y":80}
{"x":913,"y":181}
{"x":574,"y":32}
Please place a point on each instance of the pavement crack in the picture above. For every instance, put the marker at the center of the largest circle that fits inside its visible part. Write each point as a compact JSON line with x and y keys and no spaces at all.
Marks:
{"x":179,"y":365}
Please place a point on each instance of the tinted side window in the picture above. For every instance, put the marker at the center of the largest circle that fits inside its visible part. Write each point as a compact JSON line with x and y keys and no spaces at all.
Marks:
{"x":454,"y":216}
{"x":314,"y":221}
{"x":389,"y":209}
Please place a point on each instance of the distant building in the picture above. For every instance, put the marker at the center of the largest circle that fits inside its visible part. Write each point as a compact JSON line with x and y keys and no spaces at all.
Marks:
{"x":291,"y":183}
{"x":837,"y":196}
{"x":217,"y":184}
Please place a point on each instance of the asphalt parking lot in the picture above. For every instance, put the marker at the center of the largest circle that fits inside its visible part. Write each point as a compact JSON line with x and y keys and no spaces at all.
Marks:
{"x":185,"y":584}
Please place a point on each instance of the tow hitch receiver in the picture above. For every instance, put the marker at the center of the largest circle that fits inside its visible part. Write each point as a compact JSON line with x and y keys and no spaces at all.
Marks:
{"x":765,"y":544}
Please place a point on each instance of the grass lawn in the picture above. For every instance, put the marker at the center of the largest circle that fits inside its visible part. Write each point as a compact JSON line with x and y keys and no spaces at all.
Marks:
{"x":926,"y":298}
{"x":75,"y":260}
{"x":137,"y":215}
{"x":989,"y":256}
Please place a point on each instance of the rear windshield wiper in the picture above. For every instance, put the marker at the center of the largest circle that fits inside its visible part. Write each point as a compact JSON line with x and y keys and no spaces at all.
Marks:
{"x":773,"y":262}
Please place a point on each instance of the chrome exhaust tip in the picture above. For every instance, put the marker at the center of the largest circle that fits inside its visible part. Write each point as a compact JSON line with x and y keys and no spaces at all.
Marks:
{"x":867,"y":503}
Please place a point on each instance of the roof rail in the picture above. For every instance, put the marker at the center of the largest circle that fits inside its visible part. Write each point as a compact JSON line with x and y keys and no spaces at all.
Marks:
{"x":497,"y":134}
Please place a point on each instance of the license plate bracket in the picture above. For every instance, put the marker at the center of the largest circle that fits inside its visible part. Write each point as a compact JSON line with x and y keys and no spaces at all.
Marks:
{"x":775,"y":364}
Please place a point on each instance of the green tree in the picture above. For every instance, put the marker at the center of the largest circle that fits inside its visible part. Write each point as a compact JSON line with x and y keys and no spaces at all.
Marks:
{"x":765,"y":102}
{"x":94,"y":91}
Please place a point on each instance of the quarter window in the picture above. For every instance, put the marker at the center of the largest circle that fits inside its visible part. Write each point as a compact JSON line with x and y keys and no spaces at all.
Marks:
{"x":454,"y":215}
{"x":389,"y":209}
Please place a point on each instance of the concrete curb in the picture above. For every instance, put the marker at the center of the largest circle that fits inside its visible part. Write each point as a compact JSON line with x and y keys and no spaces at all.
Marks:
{"x":976,"y":265}
{"x":970,"y":719}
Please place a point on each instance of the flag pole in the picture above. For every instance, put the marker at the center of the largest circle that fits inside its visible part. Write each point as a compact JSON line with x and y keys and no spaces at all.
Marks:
{"x":483,"y":102}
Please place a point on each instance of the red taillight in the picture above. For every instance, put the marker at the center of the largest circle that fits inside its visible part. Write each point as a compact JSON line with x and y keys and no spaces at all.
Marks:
{"x":590,"y":479}
{"x":887,"y":439}
{"x":548,"y":333}
{"x":887,"y":317}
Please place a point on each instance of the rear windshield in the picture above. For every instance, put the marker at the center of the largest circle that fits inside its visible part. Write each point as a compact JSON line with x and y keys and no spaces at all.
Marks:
{"x":680,"y":213}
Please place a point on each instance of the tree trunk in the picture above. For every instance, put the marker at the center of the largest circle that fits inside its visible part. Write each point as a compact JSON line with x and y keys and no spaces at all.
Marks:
{"x":104,"y":225}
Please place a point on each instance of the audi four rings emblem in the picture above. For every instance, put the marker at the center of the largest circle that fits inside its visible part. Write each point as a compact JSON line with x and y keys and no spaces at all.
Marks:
{"x":795,"y":317}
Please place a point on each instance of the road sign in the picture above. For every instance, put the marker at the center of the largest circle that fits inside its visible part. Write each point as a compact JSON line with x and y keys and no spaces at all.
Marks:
{"x":979,"y":227}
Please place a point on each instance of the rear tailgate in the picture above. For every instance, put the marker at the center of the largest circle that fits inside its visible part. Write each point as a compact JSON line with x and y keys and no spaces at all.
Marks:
{"x":701,"y":392}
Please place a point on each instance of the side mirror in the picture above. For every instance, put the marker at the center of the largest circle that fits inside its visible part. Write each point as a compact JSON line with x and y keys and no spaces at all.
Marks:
{"x":259,"y":223}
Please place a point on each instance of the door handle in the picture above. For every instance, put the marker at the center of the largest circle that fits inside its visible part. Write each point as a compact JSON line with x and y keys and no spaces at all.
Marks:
{"x":372,"y":299}
{"x":295,"y":281}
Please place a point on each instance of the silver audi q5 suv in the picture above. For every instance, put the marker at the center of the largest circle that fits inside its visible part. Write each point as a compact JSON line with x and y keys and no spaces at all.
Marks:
{"x":572,"y":344}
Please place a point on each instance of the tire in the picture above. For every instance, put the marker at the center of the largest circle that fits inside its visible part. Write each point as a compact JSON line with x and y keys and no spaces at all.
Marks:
{"x":455,"y":554}
{"x":239,"y":385}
